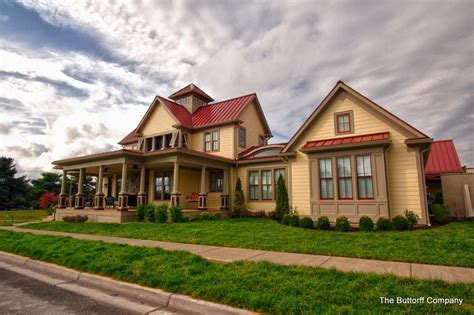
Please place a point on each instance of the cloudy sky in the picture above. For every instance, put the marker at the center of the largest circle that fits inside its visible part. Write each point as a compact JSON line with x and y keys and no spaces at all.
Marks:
{"x":76,"y":76}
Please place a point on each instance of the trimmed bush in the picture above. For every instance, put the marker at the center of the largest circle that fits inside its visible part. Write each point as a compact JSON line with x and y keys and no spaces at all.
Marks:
{"x":384,"y":224}
{"x":400,"y":223}
{"x":141,"y":210}
{"x":176,"y":214}
{"x":366,"y":224}
{"x":257,"y":214}
{"x":75,"y":218}
{"x":323,"y":223}
{"x":282,"y":204}
{"x":412,"y":218}
{"x":150,"y":212}
{"x":286,"y":219}
{"x":239,"y":208}
{"x":294,"y":220}
{"x":441,"y":213}
{"x":306,"y":223}
{"x":342,"y":224}
{"x":162,"y":213}
{"x":208,"y":216}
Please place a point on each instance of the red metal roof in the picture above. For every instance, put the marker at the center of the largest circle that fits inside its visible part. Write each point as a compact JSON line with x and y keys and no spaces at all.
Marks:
{"x":130,"y":138}
{"x":443,"y":158}
{"x":347,"y":140}
{"x":191,"y":89}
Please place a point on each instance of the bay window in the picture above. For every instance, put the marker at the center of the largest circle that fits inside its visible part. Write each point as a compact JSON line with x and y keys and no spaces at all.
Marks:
{"x":344,"y":177}
{"x":364,"y":177}
{"x":325,"y":179}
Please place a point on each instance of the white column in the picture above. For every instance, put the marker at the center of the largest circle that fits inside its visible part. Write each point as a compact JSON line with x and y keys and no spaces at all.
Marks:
{"x":100,"y":184}
{"x":80,"y":183}
{"x":175,"y":177}
{"x":123,"y":183}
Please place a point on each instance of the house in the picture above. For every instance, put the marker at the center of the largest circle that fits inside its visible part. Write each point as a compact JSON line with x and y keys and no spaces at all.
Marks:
{"x":351,"y":157}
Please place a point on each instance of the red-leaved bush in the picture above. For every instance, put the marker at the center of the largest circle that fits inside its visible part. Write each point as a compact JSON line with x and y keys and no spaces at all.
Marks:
{"x":47,"y":200}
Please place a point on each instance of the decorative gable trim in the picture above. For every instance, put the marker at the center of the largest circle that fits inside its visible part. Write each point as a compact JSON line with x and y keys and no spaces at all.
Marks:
{"x":341,"y":86}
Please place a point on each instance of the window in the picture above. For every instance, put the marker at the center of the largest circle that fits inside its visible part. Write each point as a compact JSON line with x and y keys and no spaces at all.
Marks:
{"x":242,"y":137}
{"x":149,"y":144}
{"x":344,"y":122}
{"x":216,"y":181}
{"x":344,"y":177}
{"x":168,"y":137}
{"x":253,"y":186}
{"x":267,"y":191}
{"x":261,"y":140}
{"x":278,"y":172}
{"x":158,"y":142}
{"x":211,"y":141}
{"x":184,"y":139}
{"x":162,"y":186}
{"x":364,"y":177}
{"x":325,"y":179}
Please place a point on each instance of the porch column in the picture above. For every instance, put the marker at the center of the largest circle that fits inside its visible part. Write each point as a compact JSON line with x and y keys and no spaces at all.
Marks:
{"x":114,"y":186}
{"x":202,"y":202}
{"x":123,"y":195}
{"x":175,"y":195}
{"x":225,"y":191}
{"x":80,"y":190}
{"x":99,"y":194}
{"x":62,"y":202}
{"x":141,"y":199}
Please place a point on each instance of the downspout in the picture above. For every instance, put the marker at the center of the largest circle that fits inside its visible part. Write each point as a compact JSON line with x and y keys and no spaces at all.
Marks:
{"x":422,"y":162}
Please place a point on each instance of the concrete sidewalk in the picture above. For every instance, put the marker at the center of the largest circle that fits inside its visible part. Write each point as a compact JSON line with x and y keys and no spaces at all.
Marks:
{"x":230,"y":254}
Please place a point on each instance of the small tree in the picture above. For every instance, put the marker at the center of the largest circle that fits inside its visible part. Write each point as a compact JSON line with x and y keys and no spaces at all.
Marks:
{"x":239,"y":207}
{"x":48,"y":200}
{"x":281,"y":199}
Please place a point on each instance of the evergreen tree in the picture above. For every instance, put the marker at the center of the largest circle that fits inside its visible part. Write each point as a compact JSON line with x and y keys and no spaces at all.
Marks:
{"x":281,"y":199}
{"x":14,"y":191}
{"x":239,"y":208}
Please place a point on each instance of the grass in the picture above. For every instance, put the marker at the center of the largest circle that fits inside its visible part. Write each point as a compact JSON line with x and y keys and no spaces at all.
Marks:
{"x":258,"y":286}
{"x":452,"y":244}
{"x":18,"y":216}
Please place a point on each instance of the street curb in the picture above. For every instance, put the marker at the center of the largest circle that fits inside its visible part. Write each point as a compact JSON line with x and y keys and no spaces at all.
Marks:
{"x":128,"y":290}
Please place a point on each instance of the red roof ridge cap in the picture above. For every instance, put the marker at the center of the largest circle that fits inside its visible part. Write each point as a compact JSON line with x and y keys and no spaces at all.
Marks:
{"x":229,"y":99}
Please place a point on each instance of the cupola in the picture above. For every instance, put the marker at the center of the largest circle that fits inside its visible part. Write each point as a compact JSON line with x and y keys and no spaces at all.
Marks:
{"x":191,"y":97}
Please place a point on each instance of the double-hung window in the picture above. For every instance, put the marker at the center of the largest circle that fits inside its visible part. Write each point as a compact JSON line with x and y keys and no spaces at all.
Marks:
{"x":216,"y":181}
{"x":325,"y":179}
{"x":254,"y":186}
{"x":242,"y":137}
{"x":344,"y":177}
{"x":163,"y":186}
{"x":211,"y":141}
{"x":267,"y":192}
{"x":364,"y":177}
{"x":279,"y":172}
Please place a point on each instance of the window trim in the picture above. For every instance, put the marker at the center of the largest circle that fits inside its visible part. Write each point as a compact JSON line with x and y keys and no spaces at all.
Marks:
{"x":162,"y":175}
{"x":250,"y":185}
{"x":351,"y":177}
{"x":349,"y":113}
{"x":272,"y":197}
{"x":245,"y":137}
{"x":264,"y":142}
{"x":210,"y":132}
{"x":274,"y":181}
{"x":215,"y":173}
{"x":371,"y":177}
{"x":321,"y":178}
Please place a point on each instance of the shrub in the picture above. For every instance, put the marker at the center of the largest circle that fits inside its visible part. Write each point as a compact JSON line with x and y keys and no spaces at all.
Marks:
{"x":294,"y":220}
{"x":323,"y":223}
{"x":140,"y":212}
{"x":384,"y":224}
{"x":176,"y":214}
{"x":75,"y":218}
{"x":257,"y":214}
{"x":342,"y":224}
{"x":400,"y":223}
{"x":208,"y":216}
{"x":286,"y":219}
{"x":239,"y":207}
{"x":51,"y":210}
{"x":412,"y":218}
{"x":281,"y":199}
{"x":441,"y":213}
{"x":366,"y":224}
{"x":47,"y":200}
{"x":150,"y":212}
{"x":161,"y":213}
{"x":306,"y":223}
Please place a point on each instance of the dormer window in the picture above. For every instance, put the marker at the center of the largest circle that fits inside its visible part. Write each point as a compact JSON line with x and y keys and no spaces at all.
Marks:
{"x":344,"y":122}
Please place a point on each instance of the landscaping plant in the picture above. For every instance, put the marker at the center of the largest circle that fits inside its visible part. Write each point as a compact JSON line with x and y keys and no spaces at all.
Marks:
{"x":384,"y":224}
{"x":441,"y":213}
{"x":176,"y":214}
{"x":48,"y":200}
{"x":323,"y":223}
{"x":75,"y":218}
{"x":400,"y":223}
{"x":286,"y":219}
{"x":412,"y":218}
{"x":239,"y":207}
{"x":366,"y":224}
{"x":342,"y":224}
{"x":281,"y":199}
{"x":140,"y":212}
{"x":161,"y":214}
{"x":306,"y":223}
{"x":150,"y":212}
{"x":294,"y":220}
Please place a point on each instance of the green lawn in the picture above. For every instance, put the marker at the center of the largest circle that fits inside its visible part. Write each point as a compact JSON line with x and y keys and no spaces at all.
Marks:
{"x":452,"y":244}
{"x":18,"y":216}
{"x":261,"y":287}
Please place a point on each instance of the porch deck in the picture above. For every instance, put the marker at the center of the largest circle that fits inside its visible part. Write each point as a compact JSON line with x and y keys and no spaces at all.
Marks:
{"x":111,"y":215}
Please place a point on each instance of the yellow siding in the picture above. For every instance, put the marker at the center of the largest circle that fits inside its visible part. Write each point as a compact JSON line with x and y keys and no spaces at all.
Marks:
{"x":226,"y":143}
{"x":403,"y":178}
{"x":189,"y":181}
{"x":253,"y":125}
{"x":159,"y":121}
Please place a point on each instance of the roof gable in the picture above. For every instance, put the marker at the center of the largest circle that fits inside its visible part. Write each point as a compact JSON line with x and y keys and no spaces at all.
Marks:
{"x":328,"y":100}
{"x":154,"y":106}
{"x":191,"y":89}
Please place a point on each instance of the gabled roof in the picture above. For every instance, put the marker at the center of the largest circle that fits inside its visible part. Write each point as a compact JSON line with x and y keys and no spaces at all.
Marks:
{"x":443,"y":158}
{"x":227,"y":111}
{"x":341,"y":86}
{"x":352,"y":140}
{"x":191,"y":89}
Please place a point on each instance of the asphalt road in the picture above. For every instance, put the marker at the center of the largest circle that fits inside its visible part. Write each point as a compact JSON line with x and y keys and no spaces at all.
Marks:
{"x":23,"y":295}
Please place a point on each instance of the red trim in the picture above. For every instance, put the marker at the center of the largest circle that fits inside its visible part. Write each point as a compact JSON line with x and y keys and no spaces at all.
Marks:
{"x":347,"y":140}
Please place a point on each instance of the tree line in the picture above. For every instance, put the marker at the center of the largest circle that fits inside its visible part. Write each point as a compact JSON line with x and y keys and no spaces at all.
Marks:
{"x":20,"y":192}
